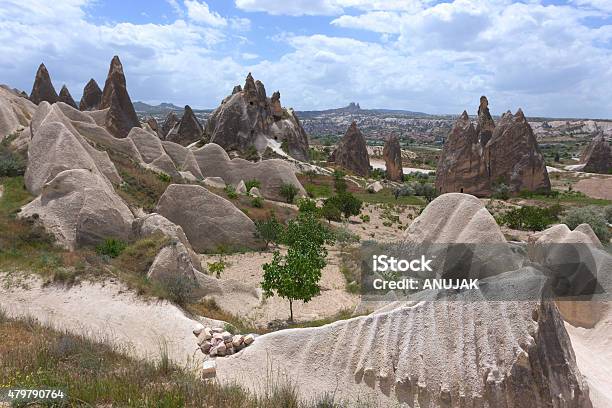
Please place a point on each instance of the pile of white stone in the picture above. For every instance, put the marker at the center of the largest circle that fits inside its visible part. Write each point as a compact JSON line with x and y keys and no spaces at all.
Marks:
{"x":217,"y":342}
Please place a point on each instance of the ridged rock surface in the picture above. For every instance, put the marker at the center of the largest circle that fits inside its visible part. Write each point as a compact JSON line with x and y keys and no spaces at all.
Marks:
{"x":478,"y":160}
{"x":392,"y":153}
{"x":597,"y":157}
{"x":43,"y":89}
{"x":352,"y":153}
{"x":187,"y":130}
{"x":64,"y":96}
{"x":169,"y":123}
{"x":249,"y":119}
{"x":92,"y":96}
{"x":121,"y":116}
{"x":272,"y":174}
{"x":15,"y":112}
{"x":209,"y":221}
{"x":460,"y":352}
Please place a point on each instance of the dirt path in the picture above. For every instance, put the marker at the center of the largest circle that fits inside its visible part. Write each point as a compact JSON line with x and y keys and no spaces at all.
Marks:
{"x":105,"y":311}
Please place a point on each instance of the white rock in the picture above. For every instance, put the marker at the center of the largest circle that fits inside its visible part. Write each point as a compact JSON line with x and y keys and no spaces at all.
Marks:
{"x":214,"y":182}
{"x":375,"y":187}
{"x":226,"y":336}
{"x":209,"y":369}
{"x":206,"y":346}
{"x":197,"y":329}
{"x":255,"y":192}
{"x":241,"y":187}
{"x":248,"y":339}
{"x":217,"y":330}
{"x":237,"y":340}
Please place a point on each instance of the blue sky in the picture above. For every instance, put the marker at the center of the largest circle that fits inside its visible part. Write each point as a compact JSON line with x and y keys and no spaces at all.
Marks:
{"x":552,"y":58}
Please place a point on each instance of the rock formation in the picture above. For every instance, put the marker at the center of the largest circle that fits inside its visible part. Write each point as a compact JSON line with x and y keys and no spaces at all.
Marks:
{"x":169,"y":123}
{"x":475,"y":353}
{"x":485,"y":125}
{"x":64,"y":96}
{"x":477,"y":160}
{"x":597,"y":157}
{"x":352,"y":153}
{"x":154,"y":126}
{"x":92,"y":96}
{"x":187,"y":130}
{"x":43,"y":89}
{"x":392,"y":153}
{"x":272,"y":174}
{"x":121,"y":116}
{"x":249,"y":119}
{"x":209,"y":221}
{"x":15,"y":112}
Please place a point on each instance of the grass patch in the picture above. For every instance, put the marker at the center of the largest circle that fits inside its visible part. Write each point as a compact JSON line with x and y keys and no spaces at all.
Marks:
{"x":573,"y":198}
{"x":96,"y":374}
{"x":210,"y":309}
{"x":341,"y":315}
{"x":386,"y":197}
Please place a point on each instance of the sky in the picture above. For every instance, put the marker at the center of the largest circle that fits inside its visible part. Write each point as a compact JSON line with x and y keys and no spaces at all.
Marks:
{"x":551,"y":58}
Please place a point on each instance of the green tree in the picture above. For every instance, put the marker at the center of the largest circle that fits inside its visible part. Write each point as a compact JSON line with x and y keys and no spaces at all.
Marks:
{"x":296,"y":275}
{"x":339,"y":181}
{"x":288,"y":191}
{"x":269,"y":230}
{"x":306,"y":205}
{"x":330,"y":211}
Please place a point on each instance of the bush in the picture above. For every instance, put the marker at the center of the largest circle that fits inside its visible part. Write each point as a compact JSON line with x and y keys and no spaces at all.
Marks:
{"x":588,"y":215}
{"x":164,"y":177}
{"x":257,"y":202}
{"x":288,"y":191}
{"x":217,"y":267}
{"x":269,"y":230}
{"x":306,"y":205}
{"x":178,"y":288}
{"x":377,"y":174}
{"x":364,"y":218}
{"x":608,"y":213}
{"x":111,"y":247}
{"x":330,"y":211}
{"x":11,"y":165}
{"x":230,"y":190}
{"x":530,"y":218}
{"x":501,"y":192}
{"x":339,"y":181}
{"x":252,"y":183}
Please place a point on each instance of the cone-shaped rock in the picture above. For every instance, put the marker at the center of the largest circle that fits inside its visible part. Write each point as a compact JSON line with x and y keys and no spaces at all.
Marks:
{"x":154,"y":126}
{"x":352,"y":152}
{"x":169,"y":123}
{"x":187,"y":131}
{"x":486,"y":125}
{"x":472,"y":162}
{"x":92,"y":96}
{"x":121,"y":117}
{"x":513,"y":157}
{"x":392,"y":153}
{"x":597,"y":156}
{"x":248,"y":119}
{"x":64,"y":96}
{"x":43,"y":89}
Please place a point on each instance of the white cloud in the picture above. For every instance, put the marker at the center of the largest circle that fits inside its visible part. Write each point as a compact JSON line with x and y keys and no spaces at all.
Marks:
{"x":249,"y":56}
{"x":291,"y":8}
{"x":200,"y":12}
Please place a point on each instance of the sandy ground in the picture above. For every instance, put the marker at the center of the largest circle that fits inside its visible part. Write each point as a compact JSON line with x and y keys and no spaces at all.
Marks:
{"x":247,"y":268}
{"x":105,"y":311}
{"x":375,"y":228}
{"x":596,"y":187}
{"x":593,"y":349}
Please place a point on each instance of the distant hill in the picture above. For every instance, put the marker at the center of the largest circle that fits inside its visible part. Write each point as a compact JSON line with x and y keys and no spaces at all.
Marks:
{"x":142,"y":107}
{"x":355,"y":108}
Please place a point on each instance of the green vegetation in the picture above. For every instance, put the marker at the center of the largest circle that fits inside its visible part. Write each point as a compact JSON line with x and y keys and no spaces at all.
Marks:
{"x":288,"y":191}
{"x":257,"y":202}
{"x":574,"y":198}
{"x":530,"y":218}
{"x":330,"y":211}
{"x":296,"y":275}
{"x":164,"y":177}
{"x":97,"y":374}
{"x":111,"y":247}
{"x":11,"y":163}
{"x":378,"y":174}
{"x":593,"y":216}
{"x":306,"y":205}
{"x":501,"y":192}
{"x":269,"y":230}
{"x":217,"y":267}
{"x":230,"y":191}
{"x":252,"y":183}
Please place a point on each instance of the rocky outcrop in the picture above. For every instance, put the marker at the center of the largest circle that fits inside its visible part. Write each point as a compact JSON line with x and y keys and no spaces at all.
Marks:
{"x":169,"y":123}
{"x":248,"y":119}
{"x":217,"y":342}
{"x":511,"y":156}
{"x":43,"y":89}
{"x":597,"y":157}
{"x":64,"y":96}
{"x":352,"y":153}
{"x":485,"y":125}
{"x":80,"y":208}
{"x":209,"y":221}
{"x":154,"y":126}
{"x":392,"y":154}
{"x":92,"y":96}
{"x":272,"y":174}
{"x":121,"y":116}
{"x":15,"y":112}
{"x":187,"y":130}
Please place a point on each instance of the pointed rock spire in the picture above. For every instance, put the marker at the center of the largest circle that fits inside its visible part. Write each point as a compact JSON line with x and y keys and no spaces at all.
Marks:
{"x":352,"y":152}
{"x":43,"y":89}
{"x":187,"y":131}
{"x":64,"y":96}
{"x":169,"y":123}
{"x":597,"y":157}
{"x":121,"y":117}
{"x":92,"y":96}
{"x":485,"y":125}
{"x":392,"y":153}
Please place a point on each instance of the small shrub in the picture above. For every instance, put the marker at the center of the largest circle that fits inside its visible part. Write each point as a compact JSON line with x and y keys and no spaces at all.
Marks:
{"x":364,"y":218}
{"x":257,"y":202}
{"x":530,"y":218}
{"x":252,"y":183}
{"x":251,"y":154}
{"x":588,"y":215}
{"x":217,"y":267}
{"x":11,"y":165}
{"x":501,"y":192}
{"x":330,"y":211}
{"x":269,"y":230}
{"x":288,"y":191}
{"x":306,"y":205}
{"x":230,"y":190}
{"x":178,"y":288}
{"x":111,"y":247}
{"x":164,"y":177}
{"x":608,"y":213}
{"x":377,"y":174}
